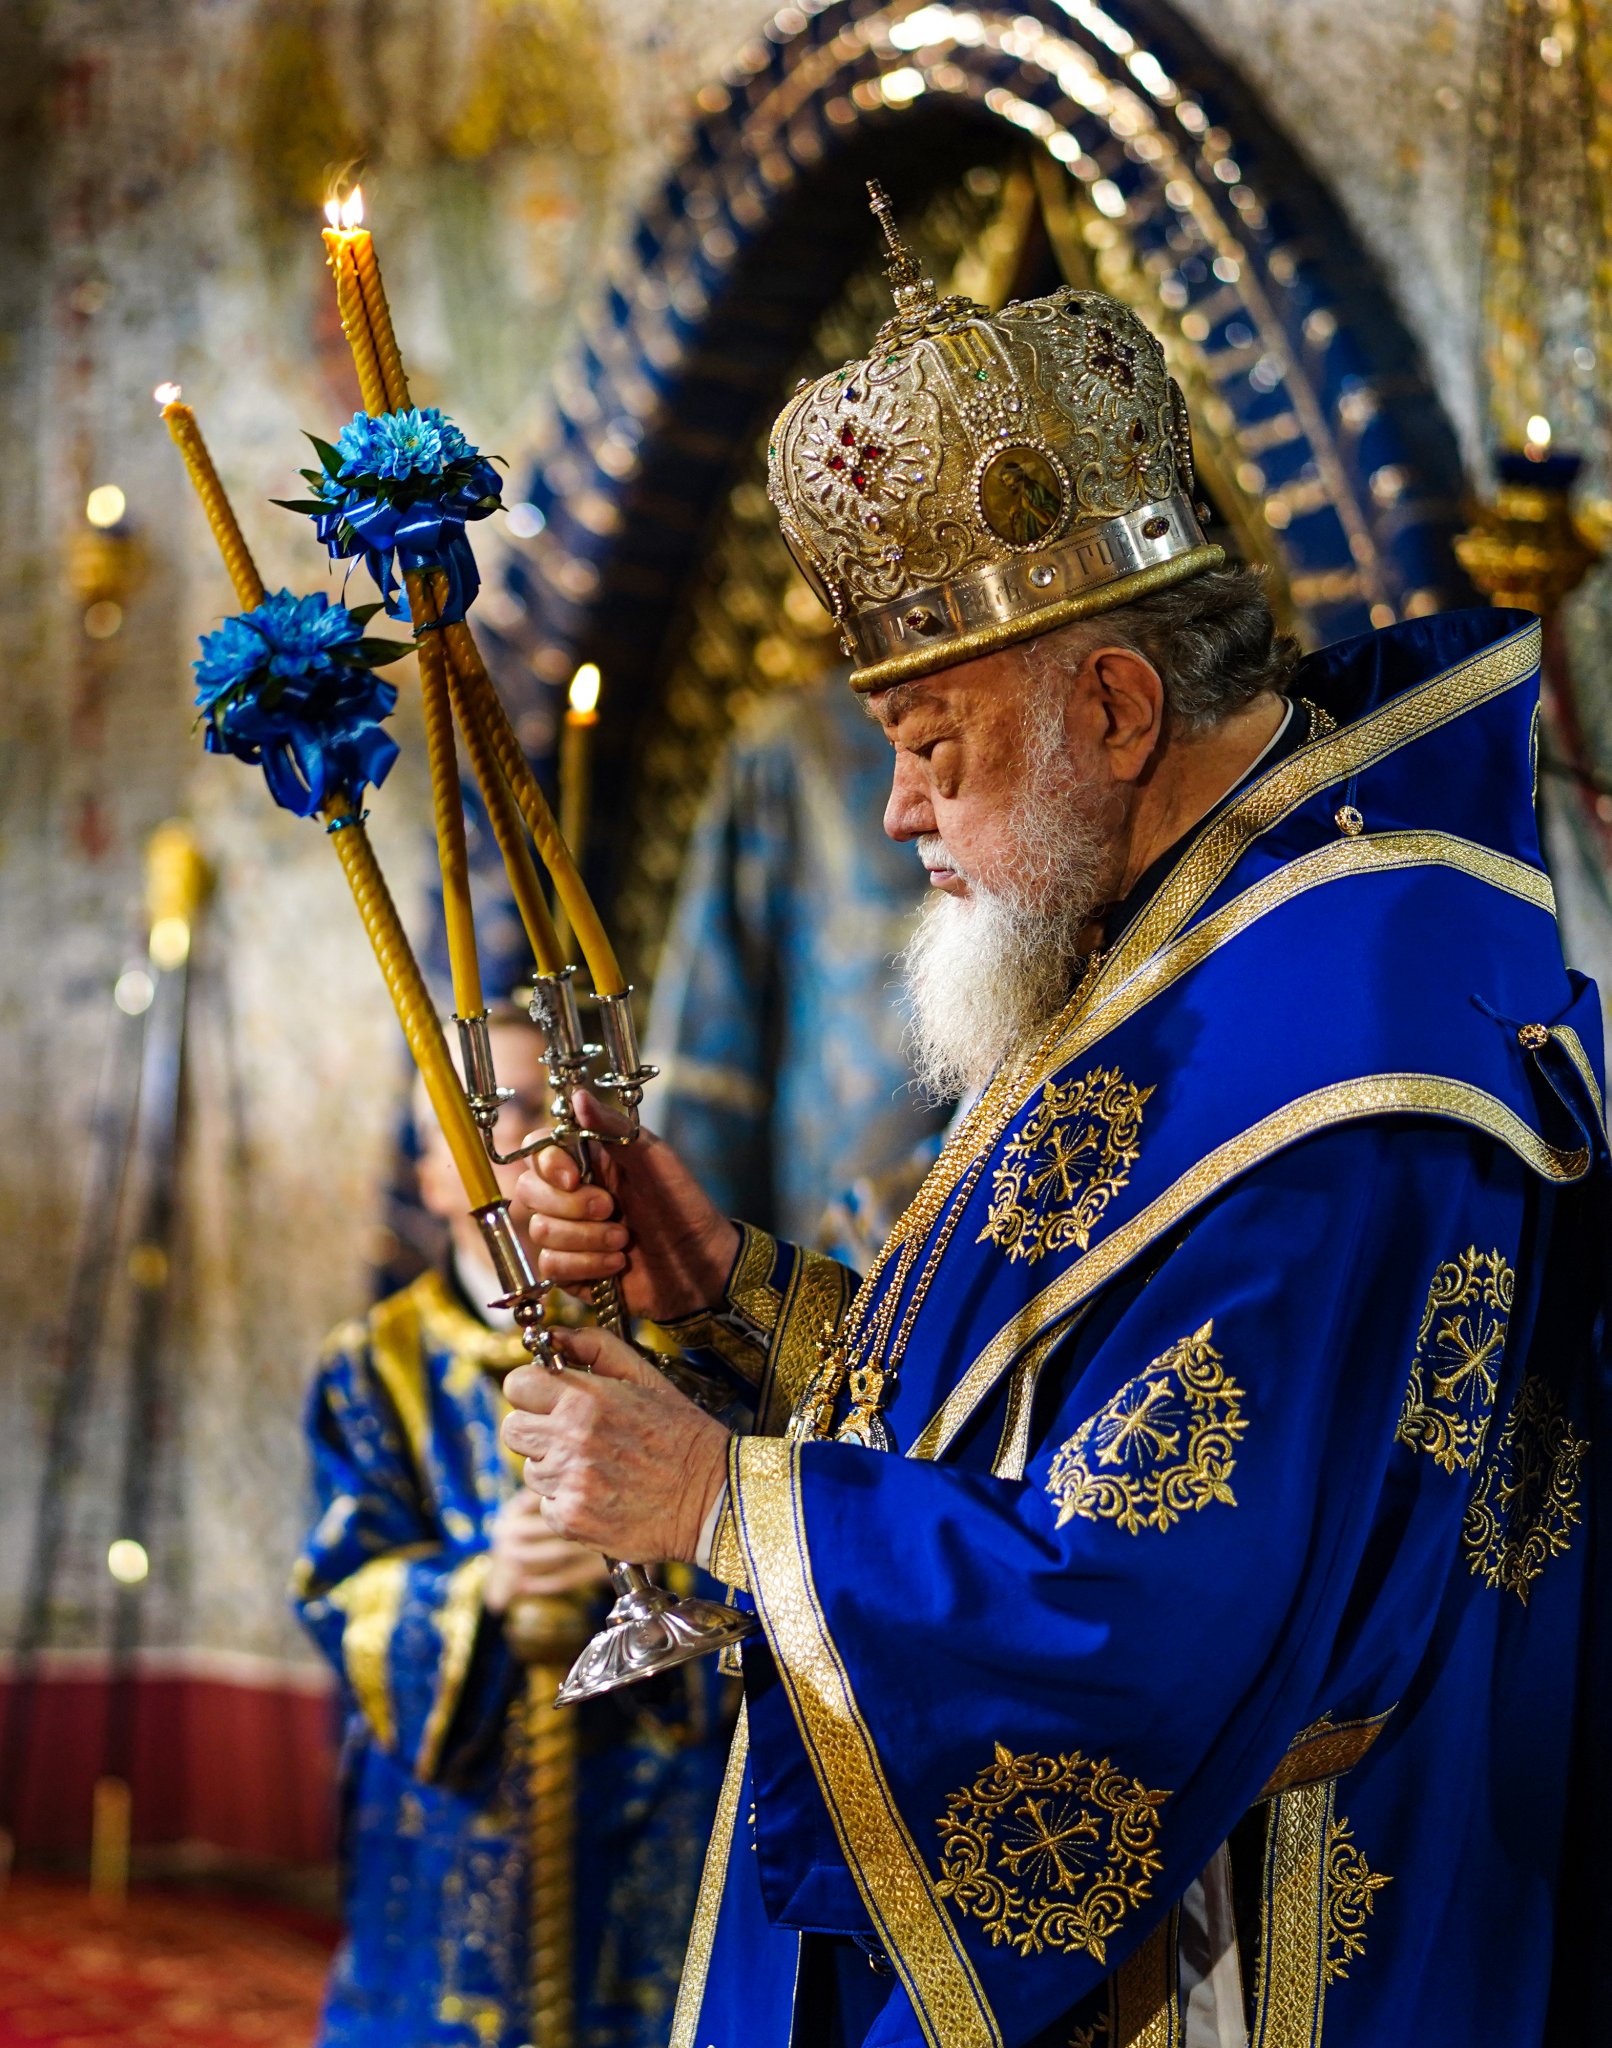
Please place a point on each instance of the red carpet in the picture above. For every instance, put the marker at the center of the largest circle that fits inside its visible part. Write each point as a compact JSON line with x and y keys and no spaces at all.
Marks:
{"x":167,"y":1971}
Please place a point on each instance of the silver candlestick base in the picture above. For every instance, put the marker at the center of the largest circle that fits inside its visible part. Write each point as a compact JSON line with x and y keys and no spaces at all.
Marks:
{"x":648,"y":1630}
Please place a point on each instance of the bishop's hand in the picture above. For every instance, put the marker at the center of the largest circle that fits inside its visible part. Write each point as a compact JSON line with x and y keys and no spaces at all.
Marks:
{"x":617,"y":1457}
{"x":644,"y":1218}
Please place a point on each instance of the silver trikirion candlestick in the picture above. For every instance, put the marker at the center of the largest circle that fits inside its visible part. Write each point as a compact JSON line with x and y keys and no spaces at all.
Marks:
{"x":648,"y":1629}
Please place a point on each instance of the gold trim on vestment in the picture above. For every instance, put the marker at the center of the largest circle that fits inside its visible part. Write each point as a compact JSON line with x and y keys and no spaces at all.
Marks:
{"x":818,"y":1295}
{"x":1319,"y":1895}
{"x":1570,"y":1042}
{"x":458,"y":1618}
{"x":397,"y":1358}
{"x":727,"y":1553}
{"x":1375,"y":853}
{"x":1342,"y":1102}
{"x":713,"y":1879}
{"x":370,"y":1600}
{"x":1333,"y":759}
{"x":891,"y":1875}
{"x":1326,"y":1749}
{"x":446,"y":1324}
{"x":1147,"y":1990}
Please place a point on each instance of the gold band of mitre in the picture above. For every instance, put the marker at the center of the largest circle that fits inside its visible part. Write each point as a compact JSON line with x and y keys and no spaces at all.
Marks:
{"x":953,"y":649}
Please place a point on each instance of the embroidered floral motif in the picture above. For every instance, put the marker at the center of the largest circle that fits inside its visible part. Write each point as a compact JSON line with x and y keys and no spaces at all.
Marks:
{"x":1162,"y":1447}
{"x":1098,"y":2035}
{"x":1349,"y":1898}
{"x":1050,"y":1851}
{"x":1455,"y":1374}
{"x":1526,"y":1502}
{"x":1069,"y":1160}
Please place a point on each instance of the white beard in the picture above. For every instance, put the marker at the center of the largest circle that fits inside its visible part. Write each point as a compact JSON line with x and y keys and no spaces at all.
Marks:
{"x":985,"y":974}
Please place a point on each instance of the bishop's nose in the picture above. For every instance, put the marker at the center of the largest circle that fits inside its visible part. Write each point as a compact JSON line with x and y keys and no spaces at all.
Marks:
{"x":908,"y":814}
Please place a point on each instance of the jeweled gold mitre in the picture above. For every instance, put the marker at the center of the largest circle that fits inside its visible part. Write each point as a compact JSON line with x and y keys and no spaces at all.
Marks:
{"x":980,"y":478}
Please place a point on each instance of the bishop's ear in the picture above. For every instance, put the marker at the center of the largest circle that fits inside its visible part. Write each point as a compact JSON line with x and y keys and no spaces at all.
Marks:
{"x":1124,"y":696}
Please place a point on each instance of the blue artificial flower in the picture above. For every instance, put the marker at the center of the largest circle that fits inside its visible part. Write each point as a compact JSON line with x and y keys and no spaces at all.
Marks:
{"x":290,"y":686}
{"x":395,"y":446}
{"x":397,"y":490}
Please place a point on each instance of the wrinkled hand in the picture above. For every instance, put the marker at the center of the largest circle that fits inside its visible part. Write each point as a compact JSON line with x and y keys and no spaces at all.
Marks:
{"x":529,"y":1561}
{"x":644,"y":1218}
{"x":615,"y":1455}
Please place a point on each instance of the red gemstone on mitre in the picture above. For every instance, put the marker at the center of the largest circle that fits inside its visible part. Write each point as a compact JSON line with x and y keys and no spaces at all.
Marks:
{"x":836,"y":462}
{"x":859,"y":478}
{"x":872,"y":454}
{"x":847,"y":436}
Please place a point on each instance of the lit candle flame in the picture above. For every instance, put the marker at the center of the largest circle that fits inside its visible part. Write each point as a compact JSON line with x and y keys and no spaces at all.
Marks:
{"x":1539,"y":431}
{"x":346,"y":214}
{"x":584,"y":695}
{"x":166,"y":394}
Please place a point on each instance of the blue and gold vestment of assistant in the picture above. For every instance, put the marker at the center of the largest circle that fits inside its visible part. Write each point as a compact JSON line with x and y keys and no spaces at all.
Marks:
{"x":408,"y":1472}
{"x":1247,"y":1444}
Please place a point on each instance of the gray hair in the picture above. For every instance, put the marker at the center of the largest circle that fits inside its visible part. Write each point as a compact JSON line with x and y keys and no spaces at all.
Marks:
{"x":1212,"y":639}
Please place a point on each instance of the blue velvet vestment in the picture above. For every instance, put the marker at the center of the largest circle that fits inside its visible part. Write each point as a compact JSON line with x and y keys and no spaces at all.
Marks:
{"x":408,"y":1474}
{"x":1249,"y":1439}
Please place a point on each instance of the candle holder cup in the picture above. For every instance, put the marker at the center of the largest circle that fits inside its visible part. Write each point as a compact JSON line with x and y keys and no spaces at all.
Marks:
{"x":482,"y":1091}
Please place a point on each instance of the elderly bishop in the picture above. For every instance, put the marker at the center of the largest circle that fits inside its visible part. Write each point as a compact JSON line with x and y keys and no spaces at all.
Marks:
{"x":1173,"y":1560}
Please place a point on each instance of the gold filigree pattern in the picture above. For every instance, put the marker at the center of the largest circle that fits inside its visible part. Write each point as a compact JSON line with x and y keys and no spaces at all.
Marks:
{"x":1069,"y":1160}
{"x":1526,"y":1503}
{"x":1349,"y":1898}
{"x":1455,"y":1374}
{"x":1050,"y":1852}
{"x":1161,"y":1448}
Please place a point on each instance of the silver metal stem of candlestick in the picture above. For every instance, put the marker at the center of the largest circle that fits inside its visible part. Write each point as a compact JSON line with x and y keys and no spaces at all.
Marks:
{"x":647,"y":1629}
{"x":626,"y":1073}
{"x":485,"y":1096}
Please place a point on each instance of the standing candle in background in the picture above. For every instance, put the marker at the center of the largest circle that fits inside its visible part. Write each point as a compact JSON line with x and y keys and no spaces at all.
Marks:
{"x":576,"y":764}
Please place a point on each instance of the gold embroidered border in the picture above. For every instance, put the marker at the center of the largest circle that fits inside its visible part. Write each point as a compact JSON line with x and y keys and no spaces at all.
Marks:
{"x":818,"y":1294}
{"x":399,"y":1364}
{"x":750,"y":1287}
{"x":1570,"y":1042}
{"x":371,"y":1600}
{"x":1326,"y":1749}
{"x":740,"y":1329}
{"x":891,"y":1874}
{"x":1319,"y":1894}
{"x":702,"y":1931}
{"x":1289,"y":1990}
{"x":1147,"y":1989}
{"x":1300,"y":776}
{"x":458,"y":1618}
{"x":727,"y":1553}
{"x":1342,"y":1102}
{"x":1377,"y":853}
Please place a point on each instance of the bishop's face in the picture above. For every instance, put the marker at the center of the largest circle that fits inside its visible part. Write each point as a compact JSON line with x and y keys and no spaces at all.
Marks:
{"x":985,"y":765}
{"x":1010,"y":802}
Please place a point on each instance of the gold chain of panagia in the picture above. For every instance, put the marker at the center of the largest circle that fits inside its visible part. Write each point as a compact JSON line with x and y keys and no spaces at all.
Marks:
{"x":955,"y":1173}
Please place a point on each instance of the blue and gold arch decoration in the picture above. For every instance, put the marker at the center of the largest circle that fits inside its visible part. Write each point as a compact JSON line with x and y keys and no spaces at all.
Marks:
{"x":1336,"y":462}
